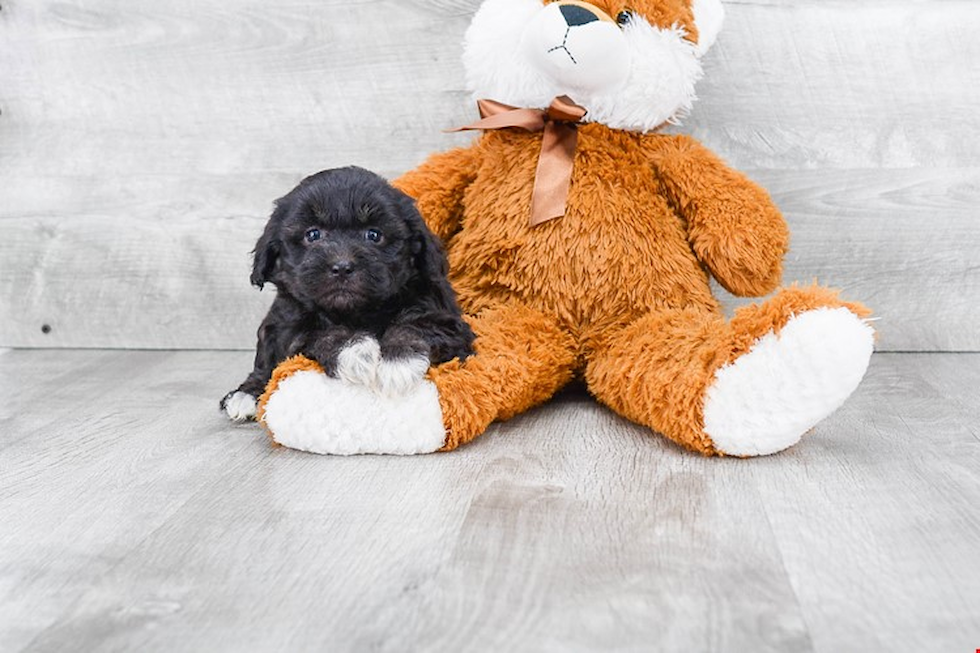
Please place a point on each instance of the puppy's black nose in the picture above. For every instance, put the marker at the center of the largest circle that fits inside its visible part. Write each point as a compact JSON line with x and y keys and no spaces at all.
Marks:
{"x":575,"y":15}
{"x":342,"y":268}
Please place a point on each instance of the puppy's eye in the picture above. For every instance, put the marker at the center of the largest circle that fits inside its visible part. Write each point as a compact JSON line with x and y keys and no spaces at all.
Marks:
{"x":373,"y":235}
{"x":624,"y":18}
{"x":313,"y":235}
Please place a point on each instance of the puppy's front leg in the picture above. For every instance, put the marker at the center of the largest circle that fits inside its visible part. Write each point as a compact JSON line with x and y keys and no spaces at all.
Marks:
{"x":349,"y":355}
{"x":240,"y":404}
{"x":405,"y":356}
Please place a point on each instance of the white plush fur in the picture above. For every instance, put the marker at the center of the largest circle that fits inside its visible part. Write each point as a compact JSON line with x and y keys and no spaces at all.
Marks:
{"x":709,"y":15}
{"x":313,"y":412}
{"x":240,"y":407}
{"x":767,"y":399}
{"x":583,"y":59}
{"x":495,"y":61}
{"x":633,"y":78}
{"x":663,"y":70}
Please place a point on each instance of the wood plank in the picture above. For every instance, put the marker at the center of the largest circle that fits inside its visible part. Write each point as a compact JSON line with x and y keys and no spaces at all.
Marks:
{"x":91,"y":465}
{"x":135,"y":518}
{"x":522,"y":538}
{"x":833,"y":84}
{"x":571,"y":494}
{"x":791,"y":85}
{"x":193,"y":87}
{"x":955,"y":381}
{"x":902,"y":241}
{"x":177,"y":284}
{"x":876,"y":519}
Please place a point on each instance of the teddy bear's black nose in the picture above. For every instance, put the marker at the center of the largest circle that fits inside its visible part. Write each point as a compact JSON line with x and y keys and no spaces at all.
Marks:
{"x":575,"y":15}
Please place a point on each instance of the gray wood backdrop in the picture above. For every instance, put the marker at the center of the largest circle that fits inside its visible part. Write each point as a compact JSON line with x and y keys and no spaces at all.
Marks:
{"x":142,"y":143}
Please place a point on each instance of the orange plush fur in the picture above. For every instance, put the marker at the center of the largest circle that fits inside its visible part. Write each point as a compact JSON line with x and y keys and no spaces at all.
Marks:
{"x":616,"y":292}
{"x":283,"y":371}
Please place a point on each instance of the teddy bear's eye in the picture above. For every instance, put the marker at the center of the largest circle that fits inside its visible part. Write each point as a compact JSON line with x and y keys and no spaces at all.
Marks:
{"x":313,"y":235}
{"x":374,"y":235}
{"x":624,"y":18}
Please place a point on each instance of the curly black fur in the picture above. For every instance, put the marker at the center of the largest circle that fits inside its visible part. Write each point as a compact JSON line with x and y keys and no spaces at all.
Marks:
{"x":350,"y":256}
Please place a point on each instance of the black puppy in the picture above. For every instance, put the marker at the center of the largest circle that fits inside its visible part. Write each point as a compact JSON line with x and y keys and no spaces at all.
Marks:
{"x":361,"y":288}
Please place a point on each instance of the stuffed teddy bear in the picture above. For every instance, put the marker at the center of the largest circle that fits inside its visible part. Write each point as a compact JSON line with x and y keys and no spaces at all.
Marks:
{"x":580,"y":242}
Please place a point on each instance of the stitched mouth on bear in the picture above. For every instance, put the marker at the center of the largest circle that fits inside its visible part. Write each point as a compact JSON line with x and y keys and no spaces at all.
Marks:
{"x":564,"y":47}
{"x":577,"y":46}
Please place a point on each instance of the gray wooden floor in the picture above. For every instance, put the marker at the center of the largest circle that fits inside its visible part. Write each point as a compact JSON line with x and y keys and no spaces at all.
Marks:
{"x":133,"y":517}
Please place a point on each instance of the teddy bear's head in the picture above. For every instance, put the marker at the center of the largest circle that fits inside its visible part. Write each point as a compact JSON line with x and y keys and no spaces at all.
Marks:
{"x":632,"y":64}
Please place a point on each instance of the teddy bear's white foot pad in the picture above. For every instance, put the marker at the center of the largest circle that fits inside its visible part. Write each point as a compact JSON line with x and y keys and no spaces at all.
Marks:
{"x":312,"y":412}
{"x":764,"y":401}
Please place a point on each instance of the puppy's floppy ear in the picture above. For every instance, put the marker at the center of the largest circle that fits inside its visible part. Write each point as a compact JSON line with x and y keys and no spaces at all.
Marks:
{"x":269,"y":246}
{"x":428,"y":255}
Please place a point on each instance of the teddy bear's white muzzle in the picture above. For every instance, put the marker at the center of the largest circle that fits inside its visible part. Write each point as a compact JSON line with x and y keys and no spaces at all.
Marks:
{"x":577,"y":46}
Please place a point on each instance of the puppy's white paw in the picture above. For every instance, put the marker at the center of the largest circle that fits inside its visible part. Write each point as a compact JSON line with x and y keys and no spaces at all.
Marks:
{"x":358,"y":362}
{"x":240,"y":407}
{"x":401,"y":375}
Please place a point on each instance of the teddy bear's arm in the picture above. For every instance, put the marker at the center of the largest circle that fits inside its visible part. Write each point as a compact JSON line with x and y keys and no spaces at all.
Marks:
{"x":438,"y":186}
{"x":732,"y":223}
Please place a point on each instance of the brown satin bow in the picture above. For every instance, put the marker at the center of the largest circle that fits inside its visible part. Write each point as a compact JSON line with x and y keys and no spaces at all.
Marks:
{"x":557,"y":158}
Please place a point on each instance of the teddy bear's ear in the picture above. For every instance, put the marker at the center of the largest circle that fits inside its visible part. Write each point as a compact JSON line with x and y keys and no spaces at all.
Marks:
{"x":708,"y":16}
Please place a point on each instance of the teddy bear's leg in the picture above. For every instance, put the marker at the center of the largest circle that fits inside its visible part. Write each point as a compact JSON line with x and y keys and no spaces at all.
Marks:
{"x":522,"y":358}
{"x":746,"y":387}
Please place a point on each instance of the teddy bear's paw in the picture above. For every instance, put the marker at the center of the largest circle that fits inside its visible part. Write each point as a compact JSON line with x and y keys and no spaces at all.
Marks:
{"x":765,"y":400}
{"x":313,"y":412}
{"x":400,"y":375}
{"x":239,"y":406}
{"x":358,"y":362}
